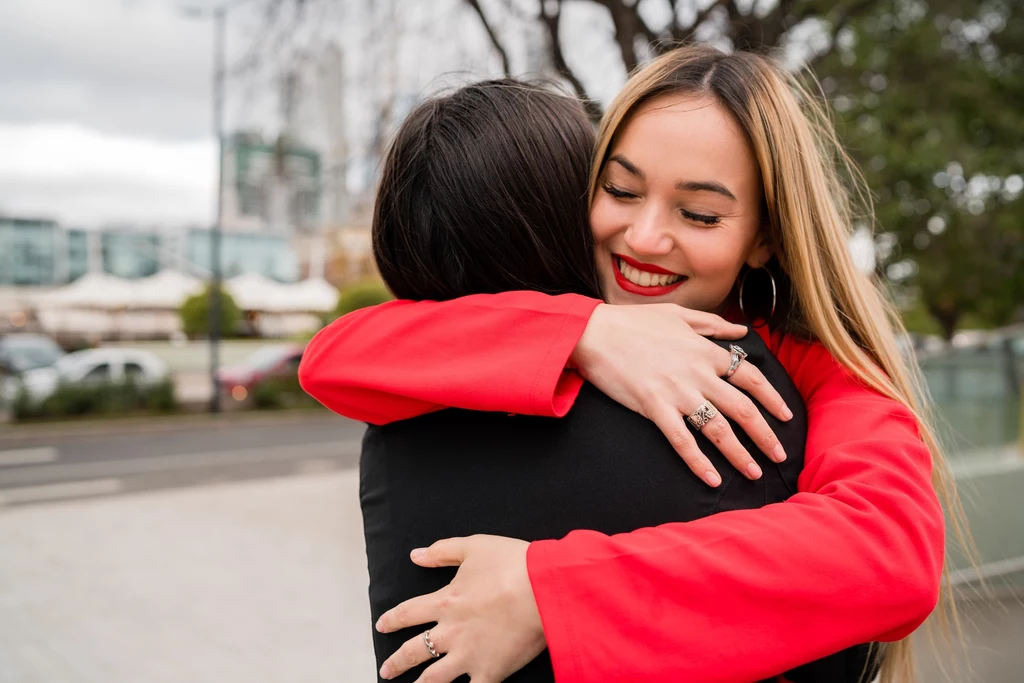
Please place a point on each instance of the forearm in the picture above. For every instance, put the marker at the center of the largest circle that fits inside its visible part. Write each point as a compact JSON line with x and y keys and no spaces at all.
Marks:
{"x":503,"y":352}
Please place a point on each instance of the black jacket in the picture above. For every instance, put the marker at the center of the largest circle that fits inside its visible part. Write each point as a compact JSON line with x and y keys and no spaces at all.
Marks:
{"x":602,"y":467}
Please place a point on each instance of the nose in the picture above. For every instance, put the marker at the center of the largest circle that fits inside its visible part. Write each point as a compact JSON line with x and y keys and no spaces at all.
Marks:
{"x":649,"y":233}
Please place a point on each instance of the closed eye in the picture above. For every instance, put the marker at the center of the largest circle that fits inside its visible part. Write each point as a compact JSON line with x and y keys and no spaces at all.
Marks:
{"x":617,"y":192}
{"x":700,"y":217}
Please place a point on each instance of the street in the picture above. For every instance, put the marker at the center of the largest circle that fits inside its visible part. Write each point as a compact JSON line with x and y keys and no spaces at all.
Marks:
{"x":227,"y":550}
{"x":40,"y":464}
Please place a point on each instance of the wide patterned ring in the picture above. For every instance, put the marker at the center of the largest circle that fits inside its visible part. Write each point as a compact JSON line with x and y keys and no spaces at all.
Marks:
{"x":705,"y":413}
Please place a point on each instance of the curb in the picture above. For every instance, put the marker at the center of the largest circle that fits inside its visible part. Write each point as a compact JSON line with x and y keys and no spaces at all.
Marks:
{"x":160,"y":423}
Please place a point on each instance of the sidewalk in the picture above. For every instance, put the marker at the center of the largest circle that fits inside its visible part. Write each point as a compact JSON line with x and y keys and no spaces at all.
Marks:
{"x":260,"y":581}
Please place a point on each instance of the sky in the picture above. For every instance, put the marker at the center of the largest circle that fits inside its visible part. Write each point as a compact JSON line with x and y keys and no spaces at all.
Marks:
{"x":105,"y":112}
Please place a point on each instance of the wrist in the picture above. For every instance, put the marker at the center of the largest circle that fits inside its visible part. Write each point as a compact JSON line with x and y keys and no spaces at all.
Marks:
{"x":583,"y":353}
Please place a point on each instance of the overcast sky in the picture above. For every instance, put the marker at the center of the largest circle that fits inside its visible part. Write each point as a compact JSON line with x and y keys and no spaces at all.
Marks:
{"x":104,"y":111}
{"x":105,"y":105}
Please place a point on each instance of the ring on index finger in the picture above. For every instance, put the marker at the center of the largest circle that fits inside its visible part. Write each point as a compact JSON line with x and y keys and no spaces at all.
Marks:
{"x":430,"y":645}
{"x":738,"y":355}
{"x":705,"y":413}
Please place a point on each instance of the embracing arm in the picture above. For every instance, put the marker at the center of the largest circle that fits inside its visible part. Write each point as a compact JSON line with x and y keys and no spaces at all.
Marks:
{"x":502,"y":352}
{"x":855,"y":556}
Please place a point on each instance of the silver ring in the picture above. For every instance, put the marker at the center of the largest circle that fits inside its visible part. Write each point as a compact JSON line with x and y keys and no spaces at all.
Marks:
{"x":705,"y":413}
{"x":738,"y":356}
{"x":430,"y":645}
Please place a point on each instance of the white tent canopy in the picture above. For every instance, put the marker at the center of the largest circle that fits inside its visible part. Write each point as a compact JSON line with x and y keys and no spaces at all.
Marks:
{"x":254,"y":292}
{"x":314,"y":294}
{"x":167,"y":289}
{"x":91,"y":291}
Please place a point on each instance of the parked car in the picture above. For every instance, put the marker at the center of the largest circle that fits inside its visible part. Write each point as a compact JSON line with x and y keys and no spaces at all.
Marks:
{"x":20,"y":352}
{"x":91,"y":366}
{"x":271,"y":362}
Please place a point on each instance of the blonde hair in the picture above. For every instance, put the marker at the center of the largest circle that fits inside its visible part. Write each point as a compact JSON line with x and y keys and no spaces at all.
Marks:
{"x":811,"y":187}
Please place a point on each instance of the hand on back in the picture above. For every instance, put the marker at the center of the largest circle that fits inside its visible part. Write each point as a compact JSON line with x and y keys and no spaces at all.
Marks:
{"x":657,"y":360}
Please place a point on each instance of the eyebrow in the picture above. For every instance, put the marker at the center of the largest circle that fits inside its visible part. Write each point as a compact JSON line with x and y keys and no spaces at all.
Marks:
{"x":705,"y":186}
{"x":685,"y":186}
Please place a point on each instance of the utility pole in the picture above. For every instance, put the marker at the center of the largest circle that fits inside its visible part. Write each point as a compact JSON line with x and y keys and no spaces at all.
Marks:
{"x":219,"y":14}
{"x":219,"y":26}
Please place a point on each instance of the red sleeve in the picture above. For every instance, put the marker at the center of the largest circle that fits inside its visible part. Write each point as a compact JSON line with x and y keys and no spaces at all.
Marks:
{"x":502,"y":352}
{"x":855,"y":556}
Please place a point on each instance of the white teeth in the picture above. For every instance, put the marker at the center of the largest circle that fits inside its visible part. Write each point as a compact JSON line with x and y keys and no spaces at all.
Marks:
{"x":645,"y":278}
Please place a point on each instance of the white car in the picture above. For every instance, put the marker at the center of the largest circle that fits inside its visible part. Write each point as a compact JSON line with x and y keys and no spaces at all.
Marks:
{"x":99,"y":366}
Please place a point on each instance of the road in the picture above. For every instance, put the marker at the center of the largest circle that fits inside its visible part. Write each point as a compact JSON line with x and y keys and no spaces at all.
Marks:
{"x":40,"y":464}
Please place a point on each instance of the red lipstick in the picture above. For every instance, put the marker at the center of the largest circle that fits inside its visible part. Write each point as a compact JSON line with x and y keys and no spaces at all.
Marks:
{"x":634,"y":288}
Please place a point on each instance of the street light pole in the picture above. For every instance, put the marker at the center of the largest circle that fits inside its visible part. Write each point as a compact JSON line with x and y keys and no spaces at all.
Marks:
{"x":219,"y":21}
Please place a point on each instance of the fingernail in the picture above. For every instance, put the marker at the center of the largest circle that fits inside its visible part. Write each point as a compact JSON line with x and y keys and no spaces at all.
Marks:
{"x":778,"y":453}
{"x":418,"y":553}
{"x":787,"y":413}
{"x":712,"y":478}
{"x":753,"y":471}
{"x":378,"y":624}
{"x":385,"y":672}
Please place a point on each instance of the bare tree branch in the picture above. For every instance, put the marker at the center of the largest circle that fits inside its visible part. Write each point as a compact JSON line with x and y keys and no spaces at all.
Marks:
{"x":685,"y":34}
{"x":499,"y":48}
{"x":551,"y":22}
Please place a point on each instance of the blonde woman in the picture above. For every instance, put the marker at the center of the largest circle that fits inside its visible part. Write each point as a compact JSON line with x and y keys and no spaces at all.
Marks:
{"x":711,"y":170}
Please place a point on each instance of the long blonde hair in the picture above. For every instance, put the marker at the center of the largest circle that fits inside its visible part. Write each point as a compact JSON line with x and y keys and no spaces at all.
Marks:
{"x":811,"y":190}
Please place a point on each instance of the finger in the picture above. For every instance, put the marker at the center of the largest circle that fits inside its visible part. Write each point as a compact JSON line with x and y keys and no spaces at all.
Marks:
{"x":711,"y":325}
{"x":412,"y":653}
{"x":423,"y":609}
{"x":748,"y":377}
{"x":671,"y":424}
{"x":736,"y":405}
{"x":444,"y":670}
{"x":449,"y":552}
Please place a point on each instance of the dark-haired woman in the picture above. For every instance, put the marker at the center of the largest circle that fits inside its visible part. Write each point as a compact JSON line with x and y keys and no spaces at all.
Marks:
{"x":483,"y":191}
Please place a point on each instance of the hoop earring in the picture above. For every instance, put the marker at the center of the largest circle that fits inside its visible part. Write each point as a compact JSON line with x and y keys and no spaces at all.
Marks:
{"x":743,"y":282}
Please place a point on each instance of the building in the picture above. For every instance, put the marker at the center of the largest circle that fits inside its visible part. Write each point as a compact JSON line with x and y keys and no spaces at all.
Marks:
{"x":39,"y":253}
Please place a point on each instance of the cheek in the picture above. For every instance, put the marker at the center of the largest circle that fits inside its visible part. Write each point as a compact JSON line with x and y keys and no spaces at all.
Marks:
{"x":713,"y":254}
{"x":607,"y":219}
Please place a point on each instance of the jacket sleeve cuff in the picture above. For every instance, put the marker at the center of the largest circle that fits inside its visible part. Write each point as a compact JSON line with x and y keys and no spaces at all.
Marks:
{"x":555,"y":387}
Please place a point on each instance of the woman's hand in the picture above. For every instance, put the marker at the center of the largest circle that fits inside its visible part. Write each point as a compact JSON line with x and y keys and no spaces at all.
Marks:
{"x":488,"y":625}
{"x":653,"y":359}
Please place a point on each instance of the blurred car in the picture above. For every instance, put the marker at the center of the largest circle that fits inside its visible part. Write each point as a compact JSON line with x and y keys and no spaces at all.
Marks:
{"x":271,"y":362}
{"x":91,"y":366}
{"x":20,"y":352}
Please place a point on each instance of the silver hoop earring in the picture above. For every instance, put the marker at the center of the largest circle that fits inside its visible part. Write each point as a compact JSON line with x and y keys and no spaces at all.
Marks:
{"x":743,"y":282}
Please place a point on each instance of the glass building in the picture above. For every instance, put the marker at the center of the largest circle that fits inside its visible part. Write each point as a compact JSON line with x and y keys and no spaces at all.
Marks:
{"x":29,"y":252}
{"x":242,"y":252}
{"x":40,"y":253}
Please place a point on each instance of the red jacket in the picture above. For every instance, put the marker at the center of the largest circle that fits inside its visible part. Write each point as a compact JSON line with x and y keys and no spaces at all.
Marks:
{"x":855,"y":556}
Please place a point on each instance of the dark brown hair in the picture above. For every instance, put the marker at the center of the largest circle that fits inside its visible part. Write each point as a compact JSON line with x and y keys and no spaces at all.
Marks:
{"x":484,"y":191}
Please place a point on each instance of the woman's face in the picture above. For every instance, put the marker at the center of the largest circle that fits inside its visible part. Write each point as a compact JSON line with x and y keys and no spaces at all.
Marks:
{"x":677,"y":209}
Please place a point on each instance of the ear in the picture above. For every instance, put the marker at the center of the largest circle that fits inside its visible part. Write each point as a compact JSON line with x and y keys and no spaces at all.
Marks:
{"x":762,"y":250}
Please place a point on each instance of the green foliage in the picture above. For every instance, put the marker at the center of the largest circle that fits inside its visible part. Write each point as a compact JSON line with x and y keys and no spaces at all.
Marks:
{"x":361,"y":296}
{"x":195,"y":315}
{"x":281,"y":392}
{"x":73,"y":400}
{"x":929,"y":98}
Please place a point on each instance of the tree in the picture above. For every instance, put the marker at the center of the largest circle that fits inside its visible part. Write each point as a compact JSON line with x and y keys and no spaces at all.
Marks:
{"x":742,"y":25}
{"x":929,"y":99}
{"x":195,"y":314}
{"x":361,"y":296}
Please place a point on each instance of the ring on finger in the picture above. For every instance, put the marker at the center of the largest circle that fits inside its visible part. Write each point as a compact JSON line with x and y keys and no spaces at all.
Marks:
{"x":738,"y":355}
{"x":430,"y":646}
{"x":704,"y":413}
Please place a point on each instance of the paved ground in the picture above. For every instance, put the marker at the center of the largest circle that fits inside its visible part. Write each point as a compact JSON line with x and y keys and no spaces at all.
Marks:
{"x":254,"y":582}
{"x":250,"y":581}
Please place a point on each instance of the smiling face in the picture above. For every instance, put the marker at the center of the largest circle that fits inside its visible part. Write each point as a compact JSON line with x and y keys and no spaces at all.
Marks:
{"x":677,"y":209}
